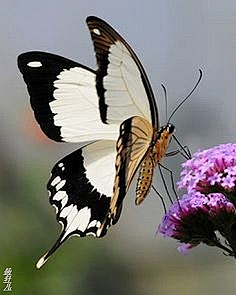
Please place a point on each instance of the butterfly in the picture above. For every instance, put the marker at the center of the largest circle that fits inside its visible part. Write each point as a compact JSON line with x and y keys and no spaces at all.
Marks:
{"x":114,"y":113}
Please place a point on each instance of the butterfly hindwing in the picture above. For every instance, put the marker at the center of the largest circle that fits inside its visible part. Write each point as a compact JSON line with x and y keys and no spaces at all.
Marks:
{"x":133,"y":143}
{"x":122,"y":84}
{"x":82,"y":205}
{"x":63,"y":97}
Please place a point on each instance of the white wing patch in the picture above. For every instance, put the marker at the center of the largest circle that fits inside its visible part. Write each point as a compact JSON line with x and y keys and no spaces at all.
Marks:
{"x":97,"y":31}
{"x":125,"y":93}
{"x":56,"y":181}
{"x":76,"y":108}
{"x":62,"y":197}
{"x":76,"y":220}
{"x":92,"y":223}
{"x":34,"y":64}
{"x":99,"y":162}
{"x":60,"y":184}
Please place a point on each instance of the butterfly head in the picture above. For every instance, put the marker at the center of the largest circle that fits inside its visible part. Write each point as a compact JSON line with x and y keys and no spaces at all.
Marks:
{"x":162,"y":139}
{"x":166,"y":132}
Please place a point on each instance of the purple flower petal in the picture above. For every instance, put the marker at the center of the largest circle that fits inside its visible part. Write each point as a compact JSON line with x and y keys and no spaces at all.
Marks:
{"x":184,"y":248}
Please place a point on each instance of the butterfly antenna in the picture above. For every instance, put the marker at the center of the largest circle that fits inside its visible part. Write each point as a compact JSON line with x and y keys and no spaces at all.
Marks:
{"x":165,"y":97}
{"x":190,"y":93}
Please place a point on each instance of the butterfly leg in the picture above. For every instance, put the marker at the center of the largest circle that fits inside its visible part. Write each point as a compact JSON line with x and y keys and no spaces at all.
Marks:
{"x":172,"y":181}
{"x":184,"y":150}
{"x":165,"y":184}
{"x":161,"y":198}
{"x":180,"y":151}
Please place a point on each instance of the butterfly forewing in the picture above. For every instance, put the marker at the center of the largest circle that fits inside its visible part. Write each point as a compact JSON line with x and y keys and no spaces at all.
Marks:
{"x":122,"y":84}
{"x":64,"y":98}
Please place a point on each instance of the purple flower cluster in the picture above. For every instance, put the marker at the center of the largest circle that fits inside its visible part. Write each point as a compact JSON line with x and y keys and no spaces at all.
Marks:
{"x":211,"y":170}
{"x":208,"y":208}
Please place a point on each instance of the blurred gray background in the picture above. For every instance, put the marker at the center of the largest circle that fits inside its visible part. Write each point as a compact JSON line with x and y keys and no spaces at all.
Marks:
{"x":173,"y":40}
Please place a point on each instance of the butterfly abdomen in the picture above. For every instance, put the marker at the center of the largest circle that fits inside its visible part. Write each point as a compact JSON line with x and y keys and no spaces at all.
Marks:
{"x":144,"y":179}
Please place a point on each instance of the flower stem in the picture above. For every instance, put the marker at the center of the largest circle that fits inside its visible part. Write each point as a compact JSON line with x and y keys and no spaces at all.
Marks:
{"x":226,"y":249}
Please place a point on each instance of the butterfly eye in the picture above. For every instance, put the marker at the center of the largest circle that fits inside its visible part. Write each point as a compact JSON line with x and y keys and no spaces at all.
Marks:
{"x":171,"y":128}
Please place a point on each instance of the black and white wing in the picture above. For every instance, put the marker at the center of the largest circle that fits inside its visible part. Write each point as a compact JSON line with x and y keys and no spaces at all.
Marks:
{"x":80,"y":189}
{"x":122,"y":84}
{"x":63,"y":97}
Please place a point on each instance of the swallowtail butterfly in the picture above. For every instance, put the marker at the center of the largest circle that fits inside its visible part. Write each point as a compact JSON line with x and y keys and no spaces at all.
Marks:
{"x":114,"y":111}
